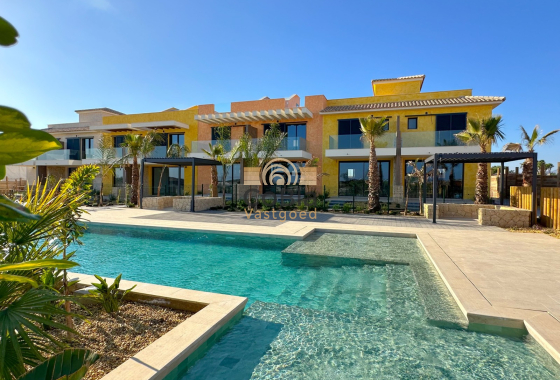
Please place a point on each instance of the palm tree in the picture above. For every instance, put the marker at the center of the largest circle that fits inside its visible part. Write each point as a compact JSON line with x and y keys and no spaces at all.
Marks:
{"x":227,"y":159}
{"x":107,"y":161}
{"x":174,"y":151}
{"x":484,"y":132}
{"x":138,"y":146}
{"x":528,"y":143}
{"x":373,"y":128}
{"x":214,"y":152}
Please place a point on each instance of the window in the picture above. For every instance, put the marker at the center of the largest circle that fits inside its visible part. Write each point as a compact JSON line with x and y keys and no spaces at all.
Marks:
{"x":352,"y":178}
{"x":233,"y":177}
{"x":349,"y":127}
{"x":178,"y":139}
{"x":172,"y":181}
{"x":451,"y":122}
{"x":73,"y":145}
{"x":118,"y":178}
{"x":118,"y":141}
{"x":87,"y":147}
{"x":386,"y":126}
{"x":215,"y":134}
{"x":412,"y":123}
{"x":295,"y":133}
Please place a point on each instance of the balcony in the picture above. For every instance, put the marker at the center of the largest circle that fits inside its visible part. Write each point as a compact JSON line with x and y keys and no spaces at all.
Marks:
{"x":291,"y":148}
{"x":427,"y":143}
{"x":353,"y":146}
{"x":198,"y":146}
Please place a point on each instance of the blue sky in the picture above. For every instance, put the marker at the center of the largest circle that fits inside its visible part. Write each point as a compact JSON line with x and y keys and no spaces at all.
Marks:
{"x":141,"y":56}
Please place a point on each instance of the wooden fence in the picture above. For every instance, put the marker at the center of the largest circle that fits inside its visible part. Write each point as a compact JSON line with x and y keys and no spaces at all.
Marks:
{"x":11,"y":186}
{"x":550,"y":207}
{"x":521,"y":197}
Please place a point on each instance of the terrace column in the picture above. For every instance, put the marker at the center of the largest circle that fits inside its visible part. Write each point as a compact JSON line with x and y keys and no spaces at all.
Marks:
{"x":193,"y":187}
{"x":502,"y":183}
{"x":141,"y":182}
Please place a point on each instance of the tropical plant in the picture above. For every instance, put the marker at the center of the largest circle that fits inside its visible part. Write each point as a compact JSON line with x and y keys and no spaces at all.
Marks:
{"x":484,"y":132}
{"x":418,"y":175}
{"x":174,"y":151}
{"x":214,"y":151}
{"x":109,"y":296}
{"x":227,"y":159}
{"x":547,"y":167}
{"x":138,"y":146}
{"x":70,"y":364}
{"x":373,"y":128}
{"x":107,"y":161}
{"x":528,"y":144}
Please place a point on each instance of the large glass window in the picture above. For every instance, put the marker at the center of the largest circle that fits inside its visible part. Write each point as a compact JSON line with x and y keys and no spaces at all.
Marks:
{"x":87,"y":147}
{"x":73,"y":145}
{"x":118,"y":178}
{"x":215,"y":133}
{"x":118,"y":141}
{"x":412,"y":123}
{"x":172,"y":182}
{"x":447,"y":125}
{"x":233,"y":177}
{"x":450,"y":181}
{"x":353,"y":177}
{"x":296,"y":133}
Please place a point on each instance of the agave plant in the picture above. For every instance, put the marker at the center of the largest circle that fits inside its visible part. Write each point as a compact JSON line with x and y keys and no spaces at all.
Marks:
{"x":109,"y":296}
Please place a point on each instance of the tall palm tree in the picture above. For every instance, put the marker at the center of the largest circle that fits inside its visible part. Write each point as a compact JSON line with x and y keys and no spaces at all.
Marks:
{"x":227,"y":159}
{"x":174,"y":151}
{"x":528,"y":143}
{"x":214,"y":152}
{"x":484,"y":132}
{"x":373,"y":128}
{"x":138,"y":146}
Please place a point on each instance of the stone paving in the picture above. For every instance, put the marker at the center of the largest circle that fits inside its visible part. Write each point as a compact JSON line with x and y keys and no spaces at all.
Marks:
{"x":500,"y":279}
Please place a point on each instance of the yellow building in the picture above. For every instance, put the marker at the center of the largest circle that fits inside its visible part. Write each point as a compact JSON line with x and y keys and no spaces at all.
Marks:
{"x":419,"y":125}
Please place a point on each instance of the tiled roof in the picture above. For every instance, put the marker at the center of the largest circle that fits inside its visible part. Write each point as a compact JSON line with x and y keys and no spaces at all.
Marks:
{"x":463,"y":100}
{"x":102,"y":109}
{"x":399,"y":78}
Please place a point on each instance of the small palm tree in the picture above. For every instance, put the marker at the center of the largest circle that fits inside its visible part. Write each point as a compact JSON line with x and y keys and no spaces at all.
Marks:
{"x":227,"y":159}
{"x":174,"y":151}
{"x":372,"y":128}
{"x":214,"y":152}
{"x":528,"y":144}
{"x":107,"y":161}
{"x":138,"y":146}
{"x":484,"y":132}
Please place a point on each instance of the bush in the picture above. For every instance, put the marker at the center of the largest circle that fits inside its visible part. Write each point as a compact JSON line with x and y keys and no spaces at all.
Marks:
{"x":109,"y":296}
{"x":336,"y":208}
{"x":393,"y":212}
{"x":130,"y":204}
{"x":241,"y":204}
{"x":346,"y":208}
{"x":359,"y":208}
{"x":384,"y":207}
{"x":302,"y":206}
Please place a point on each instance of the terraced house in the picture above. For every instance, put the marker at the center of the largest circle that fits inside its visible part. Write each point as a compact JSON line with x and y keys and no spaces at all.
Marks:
{"x":419,"y":125}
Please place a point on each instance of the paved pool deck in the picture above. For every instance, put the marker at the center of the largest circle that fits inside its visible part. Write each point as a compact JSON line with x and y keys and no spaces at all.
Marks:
{"x":501,"y":280}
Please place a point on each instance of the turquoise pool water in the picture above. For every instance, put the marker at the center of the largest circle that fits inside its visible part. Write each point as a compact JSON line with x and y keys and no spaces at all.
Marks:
{"x":351,"y":316}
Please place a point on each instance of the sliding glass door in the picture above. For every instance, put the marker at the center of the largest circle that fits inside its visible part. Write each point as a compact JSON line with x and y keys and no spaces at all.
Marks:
{"x":352,"y":178}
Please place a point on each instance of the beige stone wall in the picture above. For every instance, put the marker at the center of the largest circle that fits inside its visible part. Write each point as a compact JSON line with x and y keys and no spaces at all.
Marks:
{"x":455,"y":210}
{"x":200,"y":203}
{"x":158,"y":203}
{"x":58,"y":172}
{"x":505,"y":217}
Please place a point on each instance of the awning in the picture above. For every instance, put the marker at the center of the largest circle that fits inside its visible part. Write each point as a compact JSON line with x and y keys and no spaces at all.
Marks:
{"x":144,"y":126}
{"x":251,"y":116}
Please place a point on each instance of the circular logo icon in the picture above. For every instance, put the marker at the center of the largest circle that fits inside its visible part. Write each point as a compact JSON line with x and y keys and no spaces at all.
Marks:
{"x":277,"y":172}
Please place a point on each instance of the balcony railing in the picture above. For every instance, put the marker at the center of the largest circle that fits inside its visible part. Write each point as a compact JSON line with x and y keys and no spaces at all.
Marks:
{"x":293,"y":143}
{"x":61,"y":154}
{"x":356,"y":141}
{"x":431,"y":139}
{"x":198,"y":146}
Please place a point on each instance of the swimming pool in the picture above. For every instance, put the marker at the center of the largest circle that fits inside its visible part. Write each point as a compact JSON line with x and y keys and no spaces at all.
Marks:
{"x":332,"y":306}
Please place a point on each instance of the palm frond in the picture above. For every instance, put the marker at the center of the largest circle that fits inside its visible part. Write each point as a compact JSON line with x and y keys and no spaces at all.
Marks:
{"x":512,"y":147}
{"x":547,"y":138}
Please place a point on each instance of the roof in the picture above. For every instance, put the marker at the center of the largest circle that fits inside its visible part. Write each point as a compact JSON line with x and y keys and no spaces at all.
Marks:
{"x":182,"y":161}
{"x":101,"y":109}
{"x":480,"y":157}
{"x":422,"y":76}
{"x":250,"y":116}
{"x":431,"y":103}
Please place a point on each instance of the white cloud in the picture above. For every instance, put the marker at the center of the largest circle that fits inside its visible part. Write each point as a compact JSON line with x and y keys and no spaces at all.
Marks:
{"x":104,"y":5}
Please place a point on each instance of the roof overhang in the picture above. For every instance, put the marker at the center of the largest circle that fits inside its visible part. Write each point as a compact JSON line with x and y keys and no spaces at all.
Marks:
{"x":474,"y":158}
{"x":143,"y":126}
{"x":255,"y":116}
{"x":370,"y":110}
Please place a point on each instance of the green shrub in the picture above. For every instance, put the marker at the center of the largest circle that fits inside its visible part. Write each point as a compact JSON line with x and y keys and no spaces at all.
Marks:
{"x":241,"y":204}
{"x":109,"y":296}
{"x":336,"y":208}
{"x":359,"y":208}
{"x":346,"y":208}
{"x":302,"y":206}
{"x":393,"y":212}
{"x":278,"y":206}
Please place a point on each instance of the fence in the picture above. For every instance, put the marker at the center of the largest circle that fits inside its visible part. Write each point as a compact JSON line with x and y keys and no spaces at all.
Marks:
{"x":11,"y":186}
{"x":521,"y":197}
{"x":550,"y":207}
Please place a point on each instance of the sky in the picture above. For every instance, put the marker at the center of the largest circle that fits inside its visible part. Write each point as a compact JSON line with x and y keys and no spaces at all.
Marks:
{"x":142,"y":56}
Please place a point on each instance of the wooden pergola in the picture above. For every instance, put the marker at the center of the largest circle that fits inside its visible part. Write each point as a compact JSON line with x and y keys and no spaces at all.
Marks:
{"x":180,"y":162}
{"x":476,"y":158}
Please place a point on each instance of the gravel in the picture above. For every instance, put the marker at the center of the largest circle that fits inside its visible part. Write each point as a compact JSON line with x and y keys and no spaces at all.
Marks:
{"x":118,"y":338}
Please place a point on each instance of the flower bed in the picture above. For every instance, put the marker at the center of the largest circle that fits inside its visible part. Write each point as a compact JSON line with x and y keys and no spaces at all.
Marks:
{"x":118,"y":338}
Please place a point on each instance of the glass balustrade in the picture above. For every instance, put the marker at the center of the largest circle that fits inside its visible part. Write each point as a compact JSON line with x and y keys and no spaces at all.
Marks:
{"x":356,"y":141}
{"x":431,"y":139}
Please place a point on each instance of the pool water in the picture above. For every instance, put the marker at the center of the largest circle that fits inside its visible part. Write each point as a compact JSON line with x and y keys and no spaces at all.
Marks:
{"x":333,"y":306}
